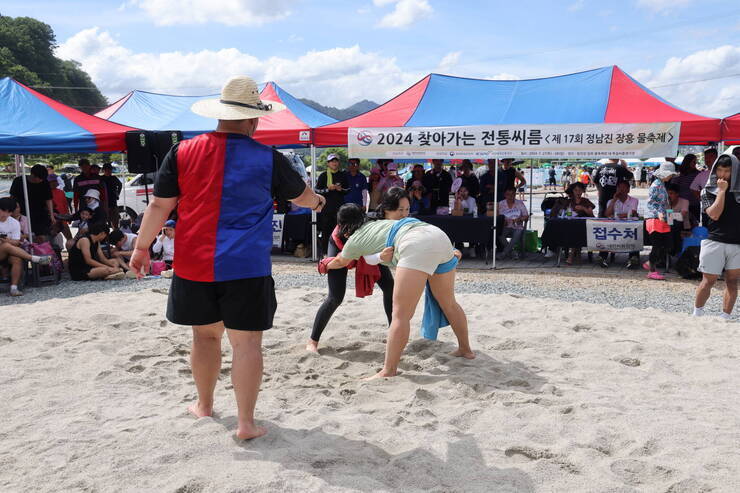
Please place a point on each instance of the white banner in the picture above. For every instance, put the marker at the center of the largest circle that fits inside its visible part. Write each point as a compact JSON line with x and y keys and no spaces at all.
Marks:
{"x":278,"y":221}
{"x":614,"y":236}
{"x":579,"y":141}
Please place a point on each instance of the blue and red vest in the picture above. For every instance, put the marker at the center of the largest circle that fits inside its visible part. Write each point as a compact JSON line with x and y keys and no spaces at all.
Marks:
{"x":224,"y":226}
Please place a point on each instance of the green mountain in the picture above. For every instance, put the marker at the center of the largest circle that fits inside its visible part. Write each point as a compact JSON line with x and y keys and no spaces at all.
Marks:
{"x":342,"y":114}
{"x":27,"y":55}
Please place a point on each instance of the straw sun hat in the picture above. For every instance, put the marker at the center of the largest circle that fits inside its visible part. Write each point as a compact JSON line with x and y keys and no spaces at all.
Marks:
{"x":240,"y":100}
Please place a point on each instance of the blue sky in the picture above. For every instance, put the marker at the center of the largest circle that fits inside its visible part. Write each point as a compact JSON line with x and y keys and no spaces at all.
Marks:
{"x":339,"y":52}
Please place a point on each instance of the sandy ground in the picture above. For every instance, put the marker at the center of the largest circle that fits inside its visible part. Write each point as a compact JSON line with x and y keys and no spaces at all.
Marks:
{"x":562,"y":397}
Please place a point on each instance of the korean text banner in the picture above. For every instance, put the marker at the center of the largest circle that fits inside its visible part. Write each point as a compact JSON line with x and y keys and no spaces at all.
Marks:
{"x":614,"y":236}
{"x":587,"y":141}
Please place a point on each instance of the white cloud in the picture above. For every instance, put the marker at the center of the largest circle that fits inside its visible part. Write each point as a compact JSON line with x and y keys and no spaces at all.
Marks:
{"x":683,"y":81}
{"x":448,"y":62}
{"x":229,"y":12}
{"x":663,"y":5}
{"x":576,"y":6}
{"x":405,"y":12}
{"x":337,"y":77}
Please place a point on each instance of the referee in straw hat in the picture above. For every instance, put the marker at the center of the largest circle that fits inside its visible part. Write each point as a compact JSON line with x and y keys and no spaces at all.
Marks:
{"x":223,"y":184}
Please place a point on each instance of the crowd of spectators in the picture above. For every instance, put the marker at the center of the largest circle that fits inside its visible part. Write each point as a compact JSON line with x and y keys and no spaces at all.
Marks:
{"x":78,"y":216}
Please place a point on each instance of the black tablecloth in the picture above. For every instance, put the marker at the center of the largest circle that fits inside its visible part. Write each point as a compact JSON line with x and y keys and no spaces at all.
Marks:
{"x":297,"y":227}
{"x":463,"y":228}
{"x":571,"y":233}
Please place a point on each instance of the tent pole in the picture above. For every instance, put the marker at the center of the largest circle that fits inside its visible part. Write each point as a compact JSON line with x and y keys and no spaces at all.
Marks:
{"x":123,"y":175}
{"x":314,"y":245}
{"x":531,"y":182}
{"x":495,"y":216}
{"x":20,"y":162}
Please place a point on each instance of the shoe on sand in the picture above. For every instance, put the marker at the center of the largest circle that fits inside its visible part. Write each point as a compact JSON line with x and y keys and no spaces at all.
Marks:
{"x":116,"y":277}
{"x":655,"y":276}
{"x":15,"y":292}
{"x":168,"y":274}
{"x":130,"y":274}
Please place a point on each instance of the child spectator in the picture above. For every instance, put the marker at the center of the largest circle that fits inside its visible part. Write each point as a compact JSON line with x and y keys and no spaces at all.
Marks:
{"x":122,"y":247}
{"x":165,"y":243}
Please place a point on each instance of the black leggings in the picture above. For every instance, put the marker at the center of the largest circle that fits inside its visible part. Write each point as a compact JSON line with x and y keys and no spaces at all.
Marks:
{"x":661,"y":243}
{"x":337,"y":279}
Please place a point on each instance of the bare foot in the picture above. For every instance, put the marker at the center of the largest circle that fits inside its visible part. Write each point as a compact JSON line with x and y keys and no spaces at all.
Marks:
{"x":382,"y":374}
{"x":200,"y":411}
{"x":249,"y":431}
{"x":463,"y":354}
{"x":312,"y":346}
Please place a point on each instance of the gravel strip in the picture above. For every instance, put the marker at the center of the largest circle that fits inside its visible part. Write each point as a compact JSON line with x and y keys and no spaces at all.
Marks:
{"x":675,"y":295}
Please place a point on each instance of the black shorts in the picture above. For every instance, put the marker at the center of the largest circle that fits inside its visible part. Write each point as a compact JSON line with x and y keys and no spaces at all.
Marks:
{"x":242,"y":304}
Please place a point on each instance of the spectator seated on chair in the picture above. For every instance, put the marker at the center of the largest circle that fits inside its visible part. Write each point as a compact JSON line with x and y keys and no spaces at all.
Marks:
{"x":420,"y":202}
{"x":23,"y":221}
{"x":577,"y":205}
{"x":10,"y":241}
{"x":516,"y":215}
{"x":87,"y":261}
{"x":622,"y":206}
{"x":464,"y":202}
{"x":122,"y":247}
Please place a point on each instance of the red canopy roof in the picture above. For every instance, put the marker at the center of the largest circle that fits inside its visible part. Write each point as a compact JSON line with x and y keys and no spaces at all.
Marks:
{"x":731,"y":129}
{"x":604,"y":95}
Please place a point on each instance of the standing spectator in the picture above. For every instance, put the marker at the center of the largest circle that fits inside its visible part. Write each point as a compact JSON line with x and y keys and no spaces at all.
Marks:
{"x":41,"y":212}
{"x":223,"y":279}
{"x":606,"y":177}
{"x":68,"y":190}
{"x":516,"y":215}
{"x":656,"y":219}
{"x":391,"y":179}
{"x":438,"y":184}
{"x":469,"y":180}
{"x":509,"y":177}
{"x":487,"y":185}
{"x":566,"y":177}
{"x":643,"y":176}
{"x":113,"y":188}
{"x":10,"y":242}
{"x":375,"y":195}
{"x":622,"y":206}
{"x":417,"y":174}
{"x":710,"y":156}
{"x":721,"y":250}
{"x":87,"y":179}
{"x":54,"y":180}
{"x":357,"y":184}
{"x":686,"y":177}
{"x":551,"y":180}
{"x":419,"y":200}
{"x":333,"y":185}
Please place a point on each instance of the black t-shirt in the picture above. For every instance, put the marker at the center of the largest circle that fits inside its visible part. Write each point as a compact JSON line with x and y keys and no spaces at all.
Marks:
{"x":334,"y":198}
{"x":727,"y":228}
{"x":287,"y":184}
{"x":438,"y":185}
{"x":606,"y":179}
{"x":38,"y":194}
{"x":113,"y":188}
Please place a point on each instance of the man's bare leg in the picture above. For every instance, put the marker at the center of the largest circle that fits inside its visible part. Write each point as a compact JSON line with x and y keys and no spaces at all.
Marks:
{"x":16,"y":270}
{"x":730,"y":296}
{"x":443,"y":288}
{"x":407,"y":290}
{"x":246,"y":376}
{"x":205,"y":360}
{"x":704,"y":290}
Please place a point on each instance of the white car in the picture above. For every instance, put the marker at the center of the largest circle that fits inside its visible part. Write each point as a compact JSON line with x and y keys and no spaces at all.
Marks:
{"x":133,"y":198}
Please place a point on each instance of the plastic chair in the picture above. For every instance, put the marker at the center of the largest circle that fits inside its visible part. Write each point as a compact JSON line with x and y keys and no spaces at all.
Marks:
{"x":697,"y":234}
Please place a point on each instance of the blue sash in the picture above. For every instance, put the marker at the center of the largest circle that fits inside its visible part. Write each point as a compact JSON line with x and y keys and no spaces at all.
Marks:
{"x":434,"y":317}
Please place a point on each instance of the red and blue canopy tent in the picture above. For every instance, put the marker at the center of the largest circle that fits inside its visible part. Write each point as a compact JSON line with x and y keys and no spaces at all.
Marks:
{"x":31,"y":123}
{"x":603,"y":95}
{"x":151,"y":111}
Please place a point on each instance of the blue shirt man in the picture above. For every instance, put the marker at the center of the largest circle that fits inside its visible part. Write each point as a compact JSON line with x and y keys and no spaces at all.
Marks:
{"x":357,"y":184}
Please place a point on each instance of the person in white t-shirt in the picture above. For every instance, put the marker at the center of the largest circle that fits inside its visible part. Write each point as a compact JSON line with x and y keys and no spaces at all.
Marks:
{"x":165,"y":243}
{"x":464,"y":201}
{"x":10,"y":241}
{"x":516,"y":215}
{"x":622,"y":206}
{"x":122,"y":247}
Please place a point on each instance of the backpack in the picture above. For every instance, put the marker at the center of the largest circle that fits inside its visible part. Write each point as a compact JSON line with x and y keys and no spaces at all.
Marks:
{"x":687,"y":264}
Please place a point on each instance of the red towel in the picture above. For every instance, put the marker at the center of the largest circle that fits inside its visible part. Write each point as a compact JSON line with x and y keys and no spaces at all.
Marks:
{"x":366,"y":275}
